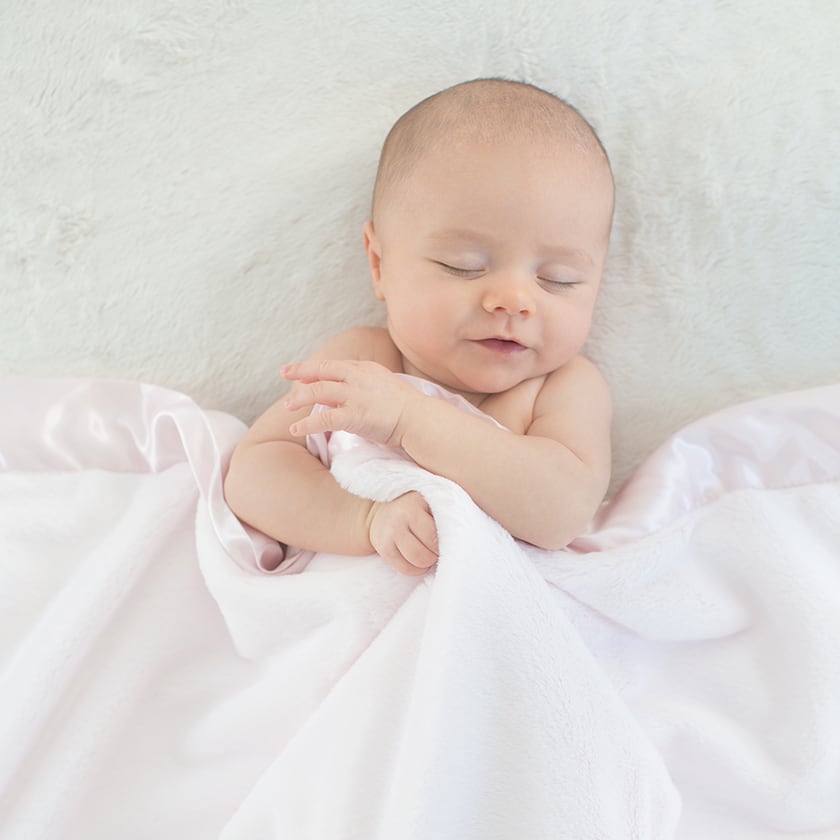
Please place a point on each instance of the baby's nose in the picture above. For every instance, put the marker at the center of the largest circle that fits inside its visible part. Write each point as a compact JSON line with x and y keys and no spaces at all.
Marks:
{"x":510,"y":295}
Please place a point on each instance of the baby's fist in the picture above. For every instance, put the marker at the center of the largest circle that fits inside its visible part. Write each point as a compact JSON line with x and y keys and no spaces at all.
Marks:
{"x":404,"y":534}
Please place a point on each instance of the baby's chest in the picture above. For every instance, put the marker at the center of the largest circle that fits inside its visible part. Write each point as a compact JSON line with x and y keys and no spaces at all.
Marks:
{"x":514,"y":409}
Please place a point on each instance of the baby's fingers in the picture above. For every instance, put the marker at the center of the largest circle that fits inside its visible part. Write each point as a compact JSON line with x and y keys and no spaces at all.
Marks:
{"x":315,"y":370}
{"x":425,"y":531}
{"x":316,"y":393}
{"x":328,"y":420}
{"x":416,"y":553}
{"x":418,"y":545}
{"x":410,"y":556}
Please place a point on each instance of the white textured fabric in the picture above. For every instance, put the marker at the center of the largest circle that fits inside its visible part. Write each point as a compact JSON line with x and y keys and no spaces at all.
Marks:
{"x":183,"y":184}
{"x":681,"y":662}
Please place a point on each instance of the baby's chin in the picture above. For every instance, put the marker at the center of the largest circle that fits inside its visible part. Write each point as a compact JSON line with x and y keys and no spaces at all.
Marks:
{"x":474,"y":383}
{"x":476,"y":388}
{"x":471,"y":391}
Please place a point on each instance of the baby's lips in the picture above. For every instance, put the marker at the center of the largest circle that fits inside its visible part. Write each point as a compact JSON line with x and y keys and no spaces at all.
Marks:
{"x":502,"y":345}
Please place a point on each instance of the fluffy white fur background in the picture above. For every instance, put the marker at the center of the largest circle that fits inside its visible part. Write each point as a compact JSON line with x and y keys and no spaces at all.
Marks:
{"x":183,"y":184}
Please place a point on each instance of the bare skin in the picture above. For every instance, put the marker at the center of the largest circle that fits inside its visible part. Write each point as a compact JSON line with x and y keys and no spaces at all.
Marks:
{"x":489,"y":266}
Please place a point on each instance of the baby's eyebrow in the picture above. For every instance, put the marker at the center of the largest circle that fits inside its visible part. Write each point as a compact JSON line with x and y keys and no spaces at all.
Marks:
{"x":458,"y":233}
{"x":478,"y":238}
{"x":575,"y":253}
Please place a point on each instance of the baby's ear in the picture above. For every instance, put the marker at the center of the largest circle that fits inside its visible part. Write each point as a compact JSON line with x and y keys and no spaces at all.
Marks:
{"x":374,"y":254}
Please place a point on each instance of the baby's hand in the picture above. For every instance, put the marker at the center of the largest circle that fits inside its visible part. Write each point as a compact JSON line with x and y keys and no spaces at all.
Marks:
{"x":403,"y":533}
{"x":362,"y":397}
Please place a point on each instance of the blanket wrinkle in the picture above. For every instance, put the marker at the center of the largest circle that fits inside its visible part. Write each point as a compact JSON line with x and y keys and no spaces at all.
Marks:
{"x":676,"y":679}
{"x":740,"y":447}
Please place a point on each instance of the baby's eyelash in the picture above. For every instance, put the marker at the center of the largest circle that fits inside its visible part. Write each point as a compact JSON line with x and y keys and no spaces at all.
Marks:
{"x":460,"y":272}
{"x":557,"y":285}
{"x":553,"y":282}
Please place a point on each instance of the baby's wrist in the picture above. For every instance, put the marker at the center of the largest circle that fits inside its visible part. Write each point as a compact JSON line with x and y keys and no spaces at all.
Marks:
{"x":419,"y":416}
{"x":372,"y":508}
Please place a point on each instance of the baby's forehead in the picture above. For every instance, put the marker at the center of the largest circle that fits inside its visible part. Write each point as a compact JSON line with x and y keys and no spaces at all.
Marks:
{"x":491,"y":128}
{"x":458,"y":148}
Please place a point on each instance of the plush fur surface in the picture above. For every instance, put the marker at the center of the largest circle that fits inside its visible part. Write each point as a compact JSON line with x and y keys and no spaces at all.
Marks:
{"x":183,"y":184}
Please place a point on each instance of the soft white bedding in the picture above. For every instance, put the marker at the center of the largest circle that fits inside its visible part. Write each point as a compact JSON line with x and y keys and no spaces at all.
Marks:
{"x":675,"y":674}
{"x":183,"y":185}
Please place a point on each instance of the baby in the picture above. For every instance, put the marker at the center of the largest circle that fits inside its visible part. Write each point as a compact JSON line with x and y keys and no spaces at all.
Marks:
{"x":489,"y":228}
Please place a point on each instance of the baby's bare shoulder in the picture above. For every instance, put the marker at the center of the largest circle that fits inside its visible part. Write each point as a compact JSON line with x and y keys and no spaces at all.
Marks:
{"x":514,"y":408}
{"x":578,"y":381}
{"x":576,"y":387}
{"x":574,"y":407}
{"x":362,"y":344}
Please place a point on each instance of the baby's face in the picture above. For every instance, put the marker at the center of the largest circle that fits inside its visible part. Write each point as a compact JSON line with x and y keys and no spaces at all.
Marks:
{"x":489,"y":260}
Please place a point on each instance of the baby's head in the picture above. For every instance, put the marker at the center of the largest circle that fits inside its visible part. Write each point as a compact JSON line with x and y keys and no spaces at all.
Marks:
{"x":507,"y":187}
{"x":484,"y":111}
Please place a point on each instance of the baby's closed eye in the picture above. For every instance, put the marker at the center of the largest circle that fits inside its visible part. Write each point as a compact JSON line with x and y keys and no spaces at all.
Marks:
{"x":461,"y":269}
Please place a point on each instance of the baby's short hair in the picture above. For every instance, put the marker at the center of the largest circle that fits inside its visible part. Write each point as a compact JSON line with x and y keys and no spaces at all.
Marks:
{"x":490,"y":110}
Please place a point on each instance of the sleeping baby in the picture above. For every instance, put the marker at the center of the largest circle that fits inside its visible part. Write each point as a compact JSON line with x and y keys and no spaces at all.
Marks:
{"x":489,"y":228}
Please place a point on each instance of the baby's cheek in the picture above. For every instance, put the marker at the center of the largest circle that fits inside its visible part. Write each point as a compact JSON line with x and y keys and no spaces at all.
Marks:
{"x":570,"y":338}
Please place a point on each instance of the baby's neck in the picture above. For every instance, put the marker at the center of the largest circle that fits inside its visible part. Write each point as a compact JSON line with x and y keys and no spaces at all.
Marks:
{"x":470,"y":396}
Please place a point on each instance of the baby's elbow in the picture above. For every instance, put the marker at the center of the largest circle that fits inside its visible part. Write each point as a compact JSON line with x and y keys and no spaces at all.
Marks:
{"x":234,"y":484}
{"x":564,"y":532}
{"x":567,"y":523}
{"x":558,"y":537}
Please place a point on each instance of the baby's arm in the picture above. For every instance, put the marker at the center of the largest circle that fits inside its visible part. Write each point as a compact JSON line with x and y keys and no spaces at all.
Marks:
{"x":278,"y":487}
{"x":543,"y":486}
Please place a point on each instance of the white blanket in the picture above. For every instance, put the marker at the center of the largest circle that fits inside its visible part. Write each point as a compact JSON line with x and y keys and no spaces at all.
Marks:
{"x":675,"y":674}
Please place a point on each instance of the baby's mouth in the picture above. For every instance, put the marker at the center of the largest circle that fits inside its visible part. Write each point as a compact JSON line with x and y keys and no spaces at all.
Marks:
{"x":504,"y":346}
